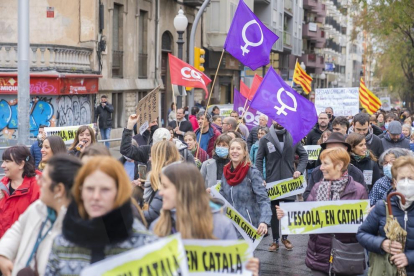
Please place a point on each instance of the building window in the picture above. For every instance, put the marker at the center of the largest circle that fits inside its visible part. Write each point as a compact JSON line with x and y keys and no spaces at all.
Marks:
{"x":118,"y":115}
{"x":117,"y":42}
{"x":142,"y":45}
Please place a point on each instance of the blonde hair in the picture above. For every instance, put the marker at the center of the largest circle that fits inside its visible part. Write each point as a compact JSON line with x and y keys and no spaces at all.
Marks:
{"x":400,"y":162}
{"x":246,"y":160}
{"x":112,"y":168}
{"x":162,"y":154}
{"x":194,"y":219}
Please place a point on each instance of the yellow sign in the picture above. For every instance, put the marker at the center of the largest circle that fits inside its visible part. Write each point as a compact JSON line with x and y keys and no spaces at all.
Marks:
{"x":285,"y":188}
{"x":323,"y":217}
{"x":313,"y":152}
{"x":66,"y":133}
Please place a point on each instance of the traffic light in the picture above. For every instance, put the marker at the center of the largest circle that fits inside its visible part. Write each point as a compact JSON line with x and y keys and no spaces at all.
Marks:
{"x":199,"y":58}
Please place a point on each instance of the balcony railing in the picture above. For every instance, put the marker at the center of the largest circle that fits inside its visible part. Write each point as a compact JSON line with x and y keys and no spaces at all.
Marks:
{"x":287,"y":40}
{"x":289,"y":6}
{"x":142,"y":66}
{"x":117,"y":64}
{"x":49,"y":57}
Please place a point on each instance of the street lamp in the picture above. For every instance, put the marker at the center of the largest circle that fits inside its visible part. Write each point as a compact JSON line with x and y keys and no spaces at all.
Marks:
{"x":180,"y":25}
{"x":322,"y":77}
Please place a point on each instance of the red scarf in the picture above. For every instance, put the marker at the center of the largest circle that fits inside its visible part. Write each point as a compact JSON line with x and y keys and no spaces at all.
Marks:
{"x":236,"y":176}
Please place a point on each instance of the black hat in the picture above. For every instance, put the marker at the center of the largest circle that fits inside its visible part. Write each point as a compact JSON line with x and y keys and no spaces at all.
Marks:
{"x":336,"y":137}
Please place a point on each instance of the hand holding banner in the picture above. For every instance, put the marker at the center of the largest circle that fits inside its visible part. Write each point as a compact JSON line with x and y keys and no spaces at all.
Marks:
{"x":217,"y":257}
{"x":323,"y":217}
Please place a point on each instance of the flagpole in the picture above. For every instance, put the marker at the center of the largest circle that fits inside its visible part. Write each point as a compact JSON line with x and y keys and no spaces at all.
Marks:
{"x":208,"y":102}
{"x":175,"y":105}
{"x":244,"y":114}
{"x":291,"y":85}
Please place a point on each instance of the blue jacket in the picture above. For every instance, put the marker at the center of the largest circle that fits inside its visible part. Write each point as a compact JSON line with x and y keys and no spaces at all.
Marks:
{"x":380,"y":189}
{"x":371,"y":233}
{"x":35,"y":152}
{"x":253,"y":155}
{"x":249,"y":197}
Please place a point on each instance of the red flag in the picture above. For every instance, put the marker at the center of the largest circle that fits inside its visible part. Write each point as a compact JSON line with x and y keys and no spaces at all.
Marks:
{"x":244,"y":89}
{"x":257,"y":80}
{"x":184,"y":74}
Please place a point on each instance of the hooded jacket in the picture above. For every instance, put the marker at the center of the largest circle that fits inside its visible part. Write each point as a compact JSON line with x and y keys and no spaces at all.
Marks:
{"x":371,"y":233}
{"x":12,"y":206}
{"x":388,"y":143}
{"x":320,"y":245}
{"x":223,"y":228}
{"x":314,"y":135}
{"x":374,"y":144}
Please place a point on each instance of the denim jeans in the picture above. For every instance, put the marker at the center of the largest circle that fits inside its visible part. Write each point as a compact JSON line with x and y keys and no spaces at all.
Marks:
{"x":106,"y":134}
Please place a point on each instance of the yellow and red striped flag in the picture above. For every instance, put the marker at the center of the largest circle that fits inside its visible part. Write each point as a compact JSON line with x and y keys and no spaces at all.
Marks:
{"x":300,"y":77}
{"x":368,"y":100}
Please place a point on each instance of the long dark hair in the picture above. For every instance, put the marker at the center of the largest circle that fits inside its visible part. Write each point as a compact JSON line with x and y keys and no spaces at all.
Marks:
{"x":80,"y":130}
{"x":354,"y":139}
{"x":19,"y":154}
{"x":63,"y":168}
{"x":56,"y":144}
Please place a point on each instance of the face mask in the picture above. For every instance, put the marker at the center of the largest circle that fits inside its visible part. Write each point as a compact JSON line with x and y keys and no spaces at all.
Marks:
{"x":222,"y":152}
{"x":406,"y":187}
{"x":386,"y":125}
{"x":387,"y":171}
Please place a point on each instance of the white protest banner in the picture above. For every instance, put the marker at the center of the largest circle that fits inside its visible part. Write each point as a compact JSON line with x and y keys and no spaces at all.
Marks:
{"x":163,"y":257}
{"x":286,"y":187}
{"x":245,"y":228}
{"x":344,"y":101}
{"x":217,"y":257}
{"x":148,"y":107}
{"x":323,"y":217}
{"x":386,"y":103}
{"x":313,"y":152}
{"x":67,"y":133}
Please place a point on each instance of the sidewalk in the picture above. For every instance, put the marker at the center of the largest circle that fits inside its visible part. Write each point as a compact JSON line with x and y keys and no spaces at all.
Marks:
{"x":115,"y":152}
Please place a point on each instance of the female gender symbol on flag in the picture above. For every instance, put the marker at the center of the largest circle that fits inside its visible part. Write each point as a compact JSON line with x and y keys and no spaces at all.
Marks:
{"x":249,"y":40}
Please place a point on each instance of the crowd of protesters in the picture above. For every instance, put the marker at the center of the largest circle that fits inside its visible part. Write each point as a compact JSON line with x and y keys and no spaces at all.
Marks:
{"x":64,"y":209}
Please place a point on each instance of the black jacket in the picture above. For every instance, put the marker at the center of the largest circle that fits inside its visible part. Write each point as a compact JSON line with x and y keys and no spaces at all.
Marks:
{"x":317,"y":176}
{"x":376,"y":130}
{"x":374,"y":144}
{"x":369,"y":165}
{"x":252,"y":137}
{"x":388,"y":143}
{"x":313,"y":136}
{"x":105,"y":115}
{"x":184,"y":126}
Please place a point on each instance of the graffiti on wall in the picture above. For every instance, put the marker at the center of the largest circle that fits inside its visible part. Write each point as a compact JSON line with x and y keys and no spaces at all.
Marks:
{"x":47,"y":111}
{"x":74,"y":110}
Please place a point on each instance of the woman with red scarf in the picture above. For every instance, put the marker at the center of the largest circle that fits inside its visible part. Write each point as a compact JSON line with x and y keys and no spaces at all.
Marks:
{"x":242,"y":186}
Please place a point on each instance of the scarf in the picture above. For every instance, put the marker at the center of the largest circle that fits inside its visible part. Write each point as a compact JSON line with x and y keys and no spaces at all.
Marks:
{"x":220,"y":163}
{"x":96,"y":233}
{"x":286,"y":138}
{"x":236,"y":176}
{"x":334,"y":187}
{"x":359,"y":158}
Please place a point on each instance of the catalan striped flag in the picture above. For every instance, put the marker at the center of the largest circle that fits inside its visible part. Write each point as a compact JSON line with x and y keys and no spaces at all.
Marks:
{"x":367,"y":99}
{"x":300,"y":77}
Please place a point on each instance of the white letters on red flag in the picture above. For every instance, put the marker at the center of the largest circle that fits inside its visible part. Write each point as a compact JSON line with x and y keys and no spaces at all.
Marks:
{"x":184,"y":74}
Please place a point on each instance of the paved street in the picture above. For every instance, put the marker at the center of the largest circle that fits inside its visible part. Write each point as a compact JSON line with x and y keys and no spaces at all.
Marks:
{"x":283,"y":262}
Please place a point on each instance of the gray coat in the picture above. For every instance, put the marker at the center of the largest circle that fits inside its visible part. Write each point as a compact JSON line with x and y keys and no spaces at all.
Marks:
{"x":209,"y":172}
{"x":279,"y":165}
{"x":388,"y":143}
{"x":252,"y":137}
{"x":249,"y":197}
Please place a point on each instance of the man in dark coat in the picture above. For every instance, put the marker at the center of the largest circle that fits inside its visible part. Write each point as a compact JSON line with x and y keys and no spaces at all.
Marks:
{"x":362,"y":126}
{"x":394,"y":138}
{"x":335,"y":140}
{"x":278,"y":150}
{"x":253,"y":132}
{"x":104,"y":113}
{"x":181,"y":126}
{"x":315,"y":134}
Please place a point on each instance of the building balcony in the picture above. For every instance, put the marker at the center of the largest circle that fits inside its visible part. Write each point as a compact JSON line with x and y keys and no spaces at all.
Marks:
{"x":309,"y":4}
{"x":319,"y":9}
{"x":193,"y":3}
{"x":287,"y":40}
{"x":262,"y":1}
{"x":312,"y":60}
{"x":311,"y":31}
{"x":289,"y":6}
{"x":45,"y":57}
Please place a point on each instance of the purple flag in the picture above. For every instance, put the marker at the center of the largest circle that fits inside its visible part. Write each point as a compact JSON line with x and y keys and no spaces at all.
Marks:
{"x":252,"y":115}
{"x":281,"y":103}
{"x":249,"y":40}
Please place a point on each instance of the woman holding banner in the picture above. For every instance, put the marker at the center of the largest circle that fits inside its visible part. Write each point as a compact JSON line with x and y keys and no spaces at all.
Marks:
{"x":51,"y":145}
{"x":336,"y":185}
{"x":363,"y":159}
{"x":242,"y":186}
{"x":184,"y":208}
{"x":371,"y":233}
{"x":99,"y":222}
{"x":85,"y":136}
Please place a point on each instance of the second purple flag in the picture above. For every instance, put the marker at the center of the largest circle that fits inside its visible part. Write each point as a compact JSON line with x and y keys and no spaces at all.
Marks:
{"x":249,"y":40}
{"x":281,"y":103}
